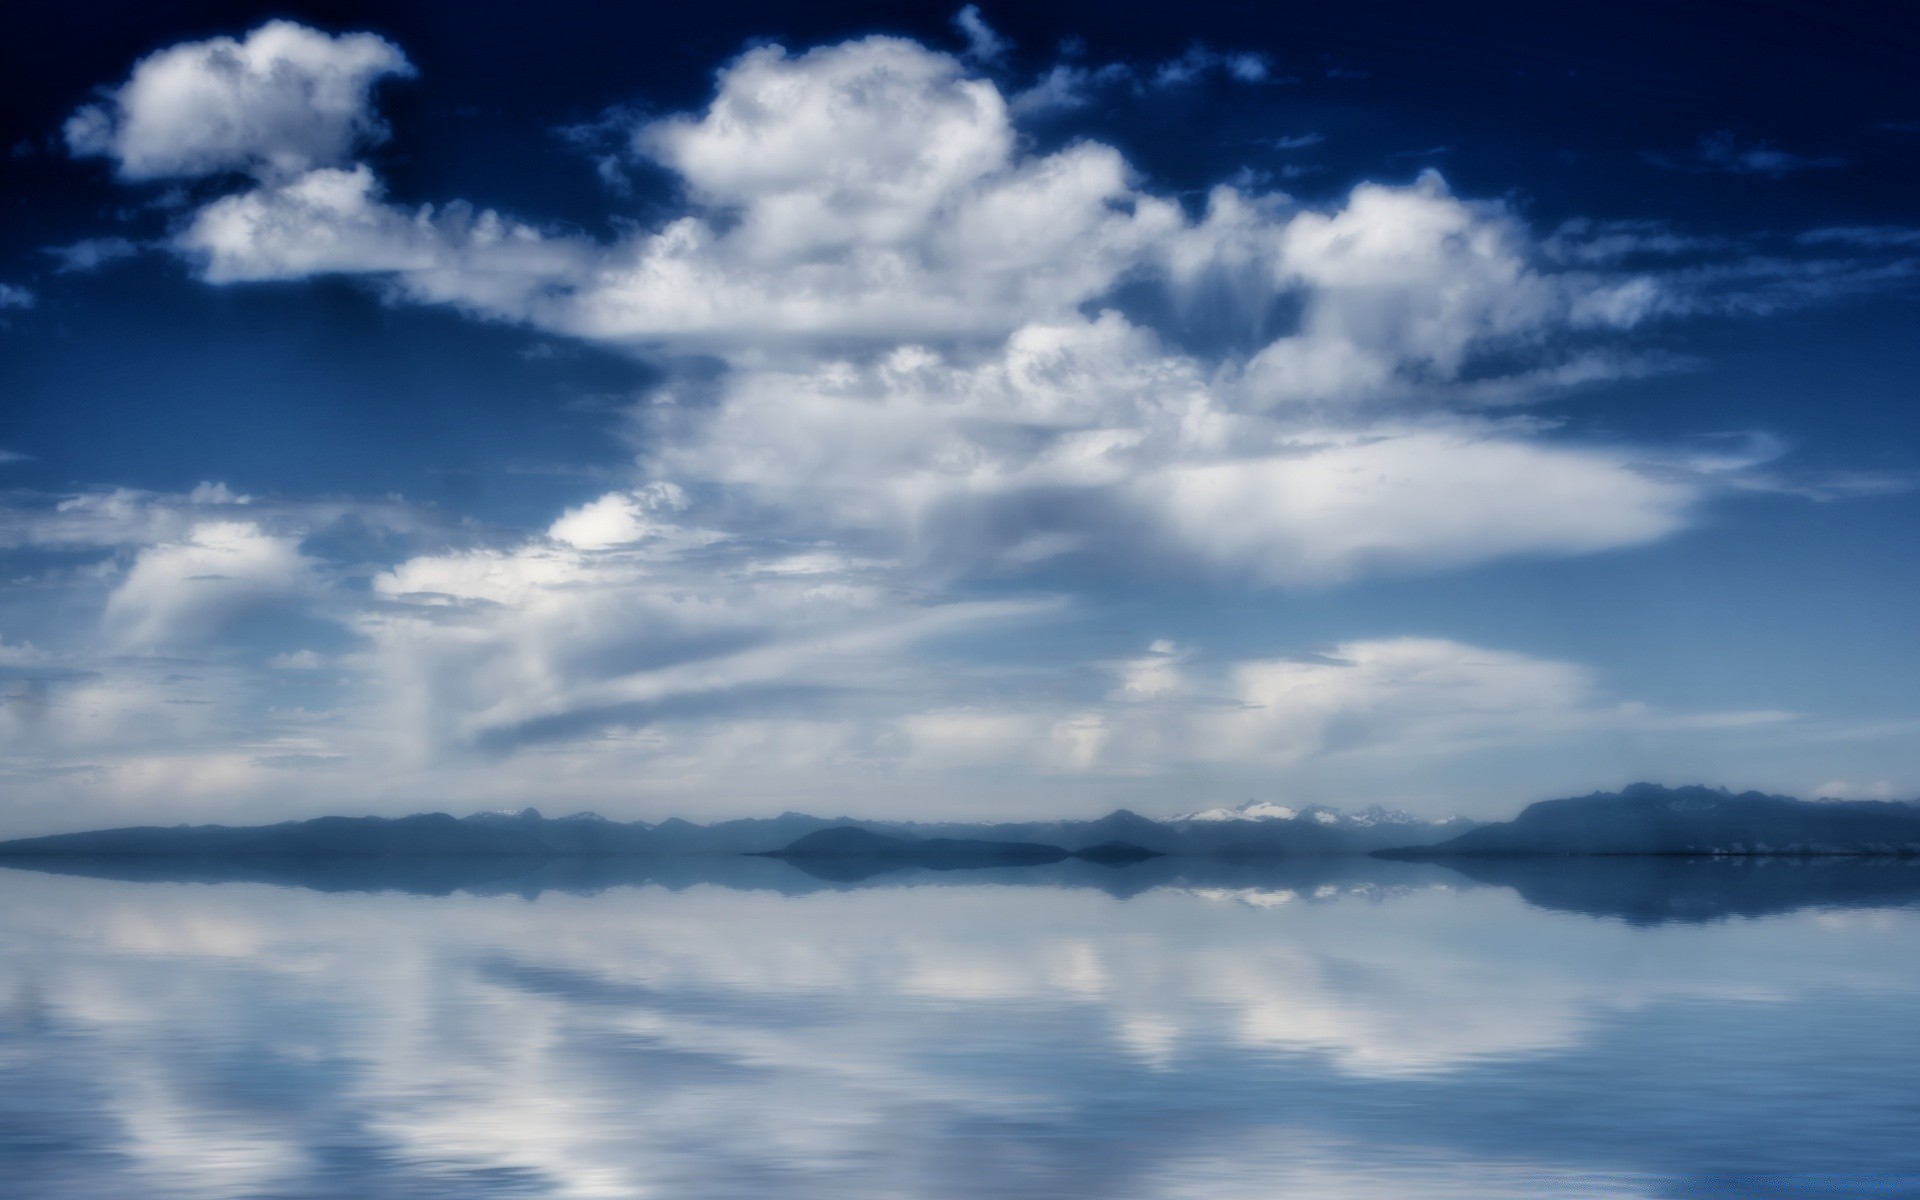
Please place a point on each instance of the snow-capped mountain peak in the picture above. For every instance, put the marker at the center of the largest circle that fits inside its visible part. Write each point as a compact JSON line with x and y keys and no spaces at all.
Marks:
{"x":1319,"y":814}
{"x":1374,"y":814}
{"x":1252,"y":810}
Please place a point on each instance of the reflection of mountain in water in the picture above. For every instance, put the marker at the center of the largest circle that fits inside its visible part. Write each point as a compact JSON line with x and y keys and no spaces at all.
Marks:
{"x":1642,"y":891}
{"x":852,"y":846}
{"x":850,"y":853}
{"x":530,"y":877}
{"x":1656,"y":890}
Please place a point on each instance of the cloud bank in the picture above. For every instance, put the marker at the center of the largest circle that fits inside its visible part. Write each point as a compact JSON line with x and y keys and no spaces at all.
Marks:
{"x":955,"y":374}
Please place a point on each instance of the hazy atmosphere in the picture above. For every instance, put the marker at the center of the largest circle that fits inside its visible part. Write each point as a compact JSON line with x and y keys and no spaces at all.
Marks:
{"x":920,"y":413}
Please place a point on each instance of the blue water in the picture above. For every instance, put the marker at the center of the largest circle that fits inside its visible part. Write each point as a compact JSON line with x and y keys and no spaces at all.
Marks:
{"x":1332,"y":1032}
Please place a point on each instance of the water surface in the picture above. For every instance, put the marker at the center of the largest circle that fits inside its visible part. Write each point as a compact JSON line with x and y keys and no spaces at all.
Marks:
{"x":729,"y":1029}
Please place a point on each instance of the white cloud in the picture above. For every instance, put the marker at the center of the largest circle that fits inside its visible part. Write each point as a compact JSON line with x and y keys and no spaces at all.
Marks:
{"x":1087,"y":436}
{"x":334,"y":221}
{"x":1399,"y":287}
{"x":875,"y":193}
{"x":185,"y":591}
{"x":284,"y":99}
{"x":1413,"y":499}
{"x":619,"y":518}
{"x":860,"y":142}
{"x":14,"y":296}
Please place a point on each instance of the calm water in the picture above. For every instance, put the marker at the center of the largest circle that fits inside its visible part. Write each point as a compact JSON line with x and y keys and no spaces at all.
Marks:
{"x":744,"y":1030}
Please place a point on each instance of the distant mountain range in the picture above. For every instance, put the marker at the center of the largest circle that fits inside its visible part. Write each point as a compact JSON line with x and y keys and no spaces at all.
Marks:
{"x":1642,"y":819}
{"x":1312,"y":832}
{"x":1648,"y":819}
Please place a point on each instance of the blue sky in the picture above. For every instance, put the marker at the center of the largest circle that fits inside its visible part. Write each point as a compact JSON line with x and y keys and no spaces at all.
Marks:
{"x":911,"y":411}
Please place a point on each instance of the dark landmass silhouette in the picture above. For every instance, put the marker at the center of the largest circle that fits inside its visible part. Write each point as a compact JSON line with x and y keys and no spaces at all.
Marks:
{"x":1117,"y":854}
{"x":1315,"y":833}
{"x":851,"y":853}
{"x":1648,"y":819}
{"x":851,"y":844}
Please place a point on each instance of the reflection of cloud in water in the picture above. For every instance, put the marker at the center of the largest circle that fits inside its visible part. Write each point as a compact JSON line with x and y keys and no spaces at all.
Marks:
{"x":951,"y":1040}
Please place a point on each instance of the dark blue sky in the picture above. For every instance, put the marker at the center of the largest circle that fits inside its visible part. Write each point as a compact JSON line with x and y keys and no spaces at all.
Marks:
{"x":1061,"y":406}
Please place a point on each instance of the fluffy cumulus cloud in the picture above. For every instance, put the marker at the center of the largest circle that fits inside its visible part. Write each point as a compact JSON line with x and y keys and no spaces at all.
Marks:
{"x":944,"y":359}
{"x":869,"y":191}
{"x":282,"y":100}
{"x":876,"y":191}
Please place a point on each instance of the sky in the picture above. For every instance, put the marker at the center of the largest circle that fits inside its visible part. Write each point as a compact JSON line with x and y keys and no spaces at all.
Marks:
{"x":925,"y":411}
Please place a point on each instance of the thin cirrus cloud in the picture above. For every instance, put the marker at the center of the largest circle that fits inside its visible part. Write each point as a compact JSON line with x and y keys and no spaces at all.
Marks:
{"x":1724,"y":151}
{"x":936,"y":374}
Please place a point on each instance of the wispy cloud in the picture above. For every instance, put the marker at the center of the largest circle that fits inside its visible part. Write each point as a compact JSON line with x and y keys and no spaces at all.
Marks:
{"x":91,"y":254}
{"x":1725,"y":151}
{"x":983,"y":43}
